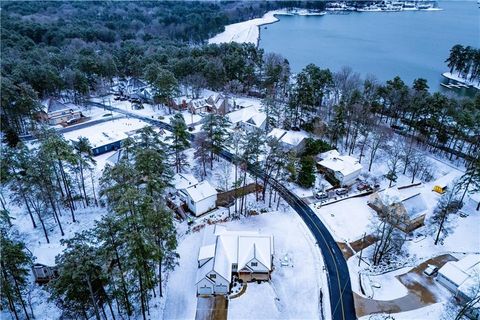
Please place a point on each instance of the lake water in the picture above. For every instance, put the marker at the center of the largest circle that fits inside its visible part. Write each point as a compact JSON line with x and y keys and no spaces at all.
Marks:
{"x":411,"y":44}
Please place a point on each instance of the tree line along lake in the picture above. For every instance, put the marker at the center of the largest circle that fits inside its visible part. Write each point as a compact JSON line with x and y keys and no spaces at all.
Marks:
{"x":410,"y":44}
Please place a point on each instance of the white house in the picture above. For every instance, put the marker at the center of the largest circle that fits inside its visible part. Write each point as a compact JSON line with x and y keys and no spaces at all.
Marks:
{"x":248,"y":118}
{"x":200,"y":197}
{"x":457,"y":276}
{"x":223,"y":254}
{"x":290,"y":140}
{"x":344,"y":169}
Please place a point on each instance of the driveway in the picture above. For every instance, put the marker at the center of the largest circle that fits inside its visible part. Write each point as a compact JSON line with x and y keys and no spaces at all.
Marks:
{"x":212,"y":308}
{"x":422,"y":291}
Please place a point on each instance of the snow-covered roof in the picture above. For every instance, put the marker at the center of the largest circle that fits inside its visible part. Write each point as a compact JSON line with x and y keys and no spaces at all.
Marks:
{"x":51,"y":105}
{"x":343,"y":164}
{"x":243,"y":114}
{"x":459,"y":271}
{"x":200,"y":191}
{"x":184,"y":180}
{"x":229,"y":247}
{"x":291,"y":138}
{"x":415,"y":206}
{"x":107,"y":132}
{"x":255,"y":247}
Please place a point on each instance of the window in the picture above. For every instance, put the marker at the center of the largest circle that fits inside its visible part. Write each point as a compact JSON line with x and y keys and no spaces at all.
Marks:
{"x":213,"y":276}
{"x":254,"y":264}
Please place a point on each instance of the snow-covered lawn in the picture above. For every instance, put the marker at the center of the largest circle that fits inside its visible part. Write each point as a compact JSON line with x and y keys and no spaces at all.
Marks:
{"x":348,"y":219}
{"x":293,"y":291}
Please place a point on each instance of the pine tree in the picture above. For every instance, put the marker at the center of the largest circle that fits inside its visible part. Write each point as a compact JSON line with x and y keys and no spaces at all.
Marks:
{"x":215,"y":126}
{"x":15,"y":265}
{"x":306,"y":175}
{"x":85,"y":161}
{"x":80,"y":287}
{"x":180,"y":141}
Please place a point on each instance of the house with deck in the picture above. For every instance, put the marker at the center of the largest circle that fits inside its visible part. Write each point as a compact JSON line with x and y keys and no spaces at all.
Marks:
{"x":225,"y":254}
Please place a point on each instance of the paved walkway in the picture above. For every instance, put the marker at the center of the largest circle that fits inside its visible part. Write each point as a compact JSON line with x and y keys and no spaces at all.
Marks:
{"x":212,"y":308}
{"x":422,"y":291}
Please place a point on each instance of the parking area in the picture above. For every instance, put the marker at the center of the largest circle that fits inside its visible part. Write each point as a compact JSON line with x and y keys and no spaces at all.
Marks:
{"x":212,"y":308}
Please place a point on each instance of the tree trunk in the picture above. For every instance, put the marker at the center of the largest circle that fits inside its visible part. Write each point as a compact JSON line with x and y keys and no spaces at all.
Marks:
{"x":90,"y":289}
{"x":440,"y":229}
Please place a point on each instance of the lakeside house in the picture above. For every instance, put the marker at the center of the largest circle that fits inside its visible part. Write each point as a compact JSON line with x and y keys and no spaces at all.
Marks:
{"x":405,"y":212}
{"x":200,"y":198}
{"x":226,"y":254}
{"x":55,"y":112}
{"x":338,"y":169}
{"x":462,"y":278}
{"x":290,"y":140}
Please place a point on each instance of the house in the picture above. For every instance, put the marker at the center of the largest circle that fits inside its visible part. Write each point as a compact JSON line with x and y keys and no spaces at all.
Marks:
{"x":200,"y":197}
{"x":248,"y":118}
{"x":43,"y":274}
{"x":461,"y":277}
{"x":342,"y":170}
{"x":290,"y":140}
{"x":224,"y":254}
{"x":409,"y":210}
{"x":134,"y":85}
{"x":220,"y":103}
{"x":55,"y":112}
{"x":196,"y":106}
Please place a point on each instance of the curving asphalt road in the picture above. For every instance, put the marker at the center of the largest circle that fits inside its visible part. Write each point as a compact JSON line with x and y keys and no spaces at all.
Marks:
{"x":341,"y":296}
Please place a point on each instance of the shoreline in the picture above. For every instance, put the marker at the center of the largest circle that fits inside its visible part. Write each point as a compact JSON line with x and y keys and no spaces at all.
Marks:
{"x":249,"y":31}
{"x":457,"y":78}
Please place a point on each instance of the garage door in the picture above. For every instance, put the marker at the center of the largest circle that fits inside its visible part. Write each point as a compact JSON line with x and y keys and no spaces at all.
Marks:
{"x":221,"y":289}
{"x":205,"y":290}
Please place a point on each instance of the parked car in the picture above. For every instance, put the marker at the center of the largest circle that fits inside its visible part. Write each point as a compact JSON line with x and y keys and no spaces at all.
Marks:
{"x":431,"y":270}
{"x":362,"y":187}
{"x":341,"y":191}
{"x":321,"y":195}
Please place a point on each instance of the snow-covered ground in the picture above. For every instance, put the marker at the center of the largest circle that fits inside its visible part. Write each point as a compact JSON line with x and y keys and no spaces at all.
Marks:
{"x":457,"y":77}
{"x":348,"y":219}
{"x":246,"y":31}
{"x":433,"y":311}
{"x":293,"y":291}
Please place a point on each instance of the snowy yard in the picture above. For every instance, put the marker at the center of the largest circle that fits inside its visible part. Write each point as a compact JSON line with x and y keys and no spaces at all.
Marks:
{"x":348,"y":219}
{"x":293,"y":291}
